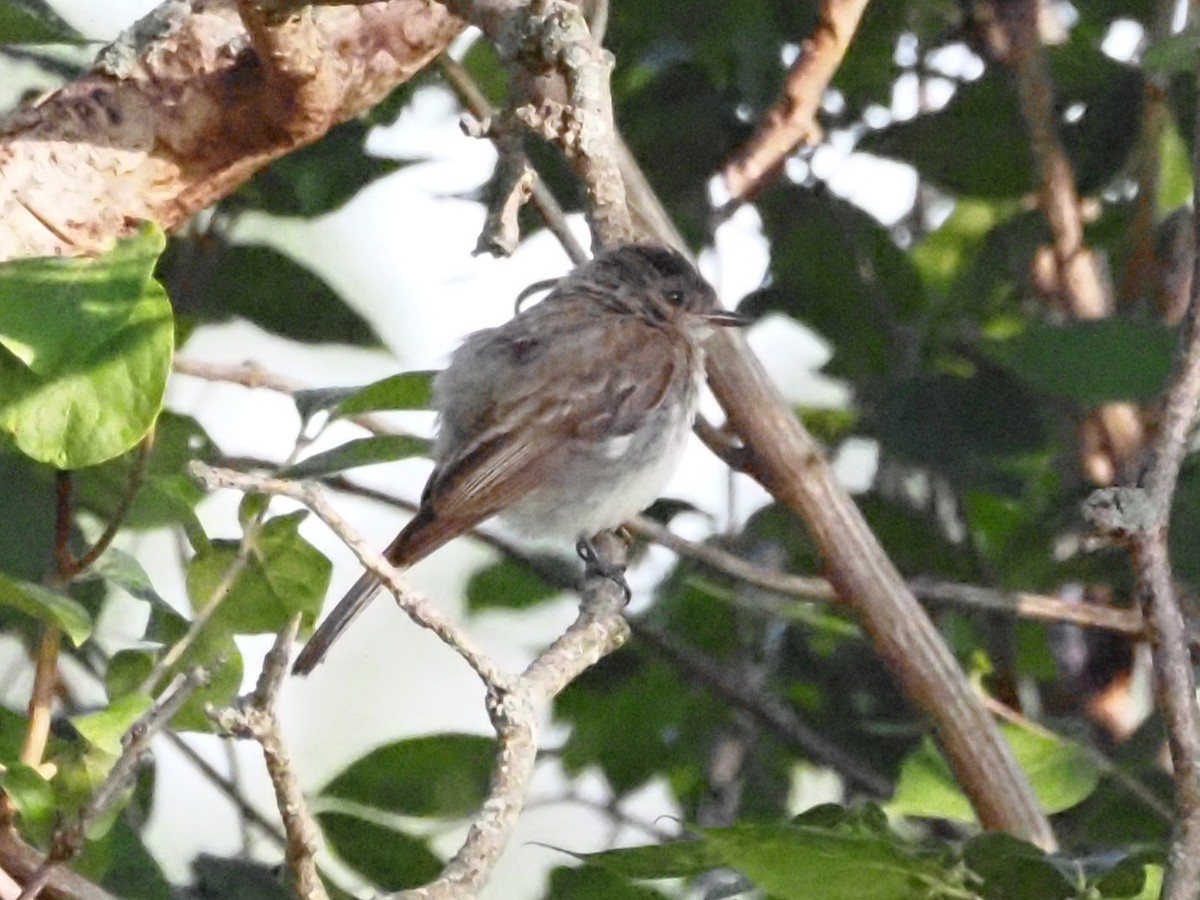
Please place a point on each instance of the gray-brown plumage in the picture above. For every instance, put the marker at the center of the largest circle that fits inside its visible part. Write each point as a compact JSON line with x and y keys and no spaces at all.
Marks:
{"x":566,"y":420}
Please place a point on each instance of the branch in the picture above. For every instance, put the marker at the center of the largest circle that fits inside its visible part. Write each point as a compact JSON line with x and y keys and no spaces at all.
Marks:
{"x":416,"y":606}
{"x":1113,"y":434}
{"x":792,"y":120}
{"x":550,"y":53}
{"x":514,"y":703}
{"x":187,"y":105}
{"x":597,"y":631}
{"x":254,"y":716}
{"x":1141,"y":517}
{"x":778,"y":717}
{"x":473,"y":100}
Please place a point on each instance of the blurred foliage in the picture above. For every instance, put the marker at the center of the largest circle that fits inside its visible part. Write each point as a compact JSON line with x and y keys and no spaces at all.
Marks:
{"x":970,"y":384}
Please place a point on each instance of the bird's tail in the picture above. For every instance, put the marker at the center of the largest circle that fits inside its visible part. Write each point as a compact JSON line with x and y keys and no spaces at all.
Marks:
{"x":416,"y":541}
{"x":336,"y":622}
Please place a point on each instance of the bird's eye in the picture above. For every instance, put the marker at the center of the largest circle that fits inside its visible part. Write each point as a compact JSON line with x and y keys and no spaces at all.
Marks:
{"x":674,"y":298}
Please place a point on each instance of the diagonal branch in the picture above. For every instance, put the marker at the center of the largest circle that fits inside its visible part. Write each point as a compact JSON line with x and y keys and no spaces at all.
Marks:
{"x":791,"y":121}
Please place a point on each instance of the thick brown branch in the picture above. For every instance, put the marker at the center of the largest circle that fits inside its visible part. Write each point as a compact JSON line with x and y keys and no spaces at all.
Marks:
{"x":188,"y":107}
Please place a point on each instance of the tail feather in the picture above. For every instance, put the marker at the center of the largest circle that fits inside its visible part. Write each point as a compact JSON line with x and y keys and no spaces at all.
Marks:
{"x":416,"y":541}
{"x":336,"y":622}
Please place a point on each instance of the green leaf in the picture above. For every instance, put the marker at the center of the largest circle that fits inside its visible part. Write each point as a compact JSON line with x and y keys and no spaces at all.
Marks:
{"x":106,"y":728}
{"x":119,"y":569}
{"x":942,"y":255}
{"x":1173,"y":53}
{"x":976,"y":145}
{"x":367,"y":451}
{"x":594,"y":883}
{"x":389,"y":859}
{"x":34,"y":22}
{"x":86,"y":350}
{"x":407,"y":390}
{"x":516,"y":584}
{"x":129,"y":869}
{"x":285,"y":575}
{"x":802,"y":863}
{"x":1174,"y":170}
{"x":216,"y":281}
{"x":214,"y":648}
{"x":1015,"y":870}
{"x":319,"y":178}
{"x":168,"y":495}
{"x":47,"y":606}
{"x":441,"y":775}
{"x":835,"y":269}
{"x":1060,"y":772}
{"x":1090,"y":362}
{"x":674,"y":859}
{"x":32,"y":795}
{"x":12,"y":731}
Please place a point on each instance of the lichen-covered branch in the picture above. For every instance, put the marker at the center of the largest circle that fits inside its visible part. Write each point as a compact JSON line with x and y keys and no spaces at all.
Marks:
{"x":188,"y":105}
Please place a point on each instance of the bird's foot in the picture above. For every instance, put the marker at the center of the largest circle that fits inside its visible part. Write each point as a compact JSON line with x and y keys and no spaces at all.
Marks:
{"x":594,"y":565}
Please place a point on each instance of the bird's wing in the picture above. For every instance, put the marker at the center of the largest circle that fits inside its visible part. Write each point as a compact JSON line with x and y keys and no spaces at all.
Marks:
{"x":528,"y":424}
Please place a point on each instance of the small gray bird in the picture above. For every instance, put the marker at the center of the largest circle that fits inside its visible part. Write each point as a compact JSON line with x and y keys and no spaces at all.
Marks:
{"x":566,"y":420}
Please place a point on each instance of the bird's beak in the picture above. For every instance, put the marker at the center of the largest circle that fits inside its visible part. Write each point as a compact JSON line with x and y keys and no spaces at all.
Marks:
{"x":724,"y":318}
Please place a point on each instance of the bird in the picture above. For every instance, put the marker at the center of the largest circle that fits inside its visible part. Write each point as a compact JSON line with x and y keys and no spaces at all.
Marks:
{"x":564,"y":421}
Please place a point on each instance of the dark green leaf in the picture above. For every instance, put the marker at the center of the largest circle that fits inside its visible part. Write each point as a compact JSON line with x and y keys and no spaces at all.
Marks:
{"x":215,"y":281}
{"x":835,"y":269}
{"x":27,"y":527}
{"x":407,"y":390}
{"x":964,"y":428}
{"x":803,"y":863}
{"x":1015,"y":870}
{"x":284,"y":576}
{"x":516,"y":584}
{"x":674,"y":859}
{"x":1090,"y":362}
{"x":168,"y":494}
{"x":594,"y":883}
{"x":129,"y":868}
{"x":34,"y":22}
{"x":389,"y":859}
{"x":86,"y":349}
{"x":47,"y":606}
{"x":318,"y":178}
{"x":442,"y":775}
{"x":976,"y":145}
{"x":12,"y":731}
{"x":1174,"y":53}
{"x":367,"y":451}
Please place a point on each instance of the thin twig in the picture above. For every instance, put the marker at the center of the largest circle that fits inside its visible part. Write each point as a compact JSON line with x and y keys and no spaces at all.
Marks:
{"x":417,"y":607}
{"x":598,"y":630}
{"x":779,"y":718}
{"x":254,"y":717}
{"x":541,"y":196}
{"x":137,"y":472}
